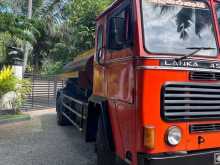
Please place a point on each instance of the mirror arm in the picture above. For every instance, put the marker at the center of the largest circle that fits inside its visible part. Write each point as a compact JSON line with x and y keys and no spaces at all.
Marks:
{"x":98,"y":57}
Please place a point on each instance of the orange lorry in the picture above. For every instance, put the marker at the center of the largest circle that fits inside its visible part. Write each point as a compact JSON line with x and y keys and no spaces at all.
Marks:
{"x":149,"y":94}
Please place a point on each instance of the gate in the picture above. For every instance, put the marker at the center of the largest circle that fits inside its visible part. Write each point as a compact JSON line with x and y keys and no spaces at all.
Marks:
{"x":43,"y":95}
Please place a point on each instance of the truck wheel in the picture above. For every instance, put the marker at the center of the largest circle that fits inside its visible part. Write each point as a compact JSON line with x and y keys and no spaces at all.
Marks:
{"x":61,"y":120}
{"x":104,"y":155}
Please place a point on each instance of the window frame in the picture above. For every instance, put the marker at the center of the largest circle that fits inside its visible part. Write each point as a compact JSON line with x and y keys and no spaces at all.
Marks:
{"x":123,"y":6}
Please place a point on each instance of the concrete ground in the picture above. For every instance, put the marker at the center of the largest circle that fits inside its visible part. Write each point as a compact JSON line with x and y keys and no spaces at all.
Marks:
{"x":41,"y":142}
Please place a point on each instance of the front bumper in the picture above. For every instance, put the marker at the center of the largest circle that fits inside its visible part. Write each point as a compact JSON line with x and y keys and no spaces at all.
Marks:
{"x":196,"y":158}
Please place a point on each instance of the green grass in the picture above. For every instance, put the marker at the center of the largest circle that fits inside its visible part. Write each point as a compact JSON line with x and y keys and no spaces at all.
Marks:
{"x":13,"y":117}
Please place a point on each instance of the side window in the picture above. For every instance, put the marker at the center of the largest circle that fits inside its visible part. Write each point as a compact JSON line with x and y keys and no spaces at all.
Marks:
{"x":120,"y":29}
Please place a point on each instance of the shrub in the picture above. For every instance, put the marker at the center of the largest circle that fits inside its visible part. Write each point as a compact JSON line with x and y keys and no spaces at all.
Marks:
{"x":22,"y":90}
{"x":7,"y":81}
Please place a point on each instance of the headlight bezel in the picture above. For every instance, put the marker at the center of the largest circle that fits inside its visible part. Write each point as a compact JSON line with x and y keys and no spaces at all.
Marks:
{"x":170,"y":136}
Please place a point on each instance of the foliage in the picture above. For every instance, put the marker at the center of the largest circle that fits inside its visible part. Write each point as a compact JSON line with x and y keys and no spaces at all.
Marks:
{"x":82,"y":23}
{"x":23,"y":89}
{"x":59,"y":29}
{"x":7,"y":80}
{"x":16,"y":30}
{"x":8,"y":83}
{"x":4,"y":39}
{"x":74,"y":33}
{"x":19,"y":27}
{"x":52,"y":68}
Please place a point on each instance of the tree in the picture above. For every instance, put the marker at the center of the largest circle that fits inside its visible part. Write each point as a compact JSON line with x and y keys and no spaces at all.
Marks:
{"x":75,"y":33}
{"x":58,"y":30}
{"x":30,"y":31}
{"x":81,"y":23}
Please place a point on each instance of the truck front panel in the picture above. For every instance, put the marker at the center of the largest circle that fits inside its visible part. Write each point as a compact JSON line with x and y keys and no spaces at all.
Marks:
{"x":169,"y":98}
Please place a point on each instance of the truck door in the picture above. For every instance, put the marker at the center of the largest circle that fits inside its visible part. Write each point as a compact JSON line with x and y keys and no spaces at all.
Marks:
{"x":120,"y":77}
{"x":99,"y":68}
{"x":119,"y":56}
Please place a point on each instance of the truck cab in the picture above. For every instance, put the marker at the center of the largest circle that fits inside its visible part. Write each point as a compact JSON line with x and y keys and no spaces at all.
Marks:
{"x":155,"y":91}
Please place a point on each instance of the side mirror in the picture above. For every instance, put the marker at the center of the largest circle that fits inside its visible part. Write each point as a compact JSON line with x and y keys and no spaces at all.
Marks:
{"x":117,"y":32}
{"x":99,"y":57}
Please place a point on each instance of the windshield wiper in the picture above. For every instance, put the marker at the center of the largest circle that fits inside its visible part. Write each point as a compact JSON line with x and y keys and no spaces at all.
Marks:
{"x":197,"y":49}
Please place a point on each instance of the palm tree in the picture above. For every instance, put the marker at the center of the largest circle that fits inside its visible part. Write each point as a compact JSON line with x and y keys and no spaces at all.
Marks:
{"x":36,"y":31}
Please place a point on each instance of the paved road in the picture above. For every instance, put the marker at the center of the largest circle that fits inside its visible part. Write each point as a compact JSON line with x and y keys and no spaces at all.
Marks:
{"x":41,"y":142}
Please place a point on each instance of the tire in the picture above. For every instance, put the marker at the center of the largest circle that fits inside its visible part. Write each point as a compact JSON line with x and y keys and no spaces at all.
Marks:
{"x":61,"y":120}
{"x":104,"y":155}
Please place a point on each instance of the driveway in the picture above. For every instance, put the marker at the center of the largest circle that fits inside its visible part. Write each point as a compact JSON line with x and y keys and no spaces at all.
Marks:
{"x":41,"y":142}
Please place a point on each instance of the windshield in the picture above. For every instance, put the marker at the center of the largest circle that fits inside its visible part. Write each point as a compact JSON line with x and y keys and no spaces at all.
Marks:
{"x":171,"y":26}
{"x":218,"y":13}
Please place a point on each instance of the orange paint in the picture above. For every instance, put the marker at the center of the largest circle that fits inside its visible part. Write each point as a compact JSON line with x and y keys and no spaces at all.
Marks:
{"x":134,"y":93}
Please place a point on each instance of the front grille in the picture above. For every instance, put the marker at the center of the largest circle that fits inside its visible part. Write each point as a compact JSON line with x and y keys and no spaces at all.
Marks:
{"x":195,"y":128}
{"x":204,"y":76}
{"x":190,"y":101}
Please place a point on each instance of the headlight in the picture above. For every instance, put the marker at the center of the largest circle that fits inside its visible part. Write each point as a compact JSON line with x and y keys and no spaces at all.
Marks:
{"x":173,"y":136}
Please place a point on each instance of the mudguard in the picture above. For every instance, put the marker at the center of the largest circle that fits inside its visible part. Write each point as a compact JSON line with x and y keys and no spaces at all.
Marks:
{"x":92,"y":120}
